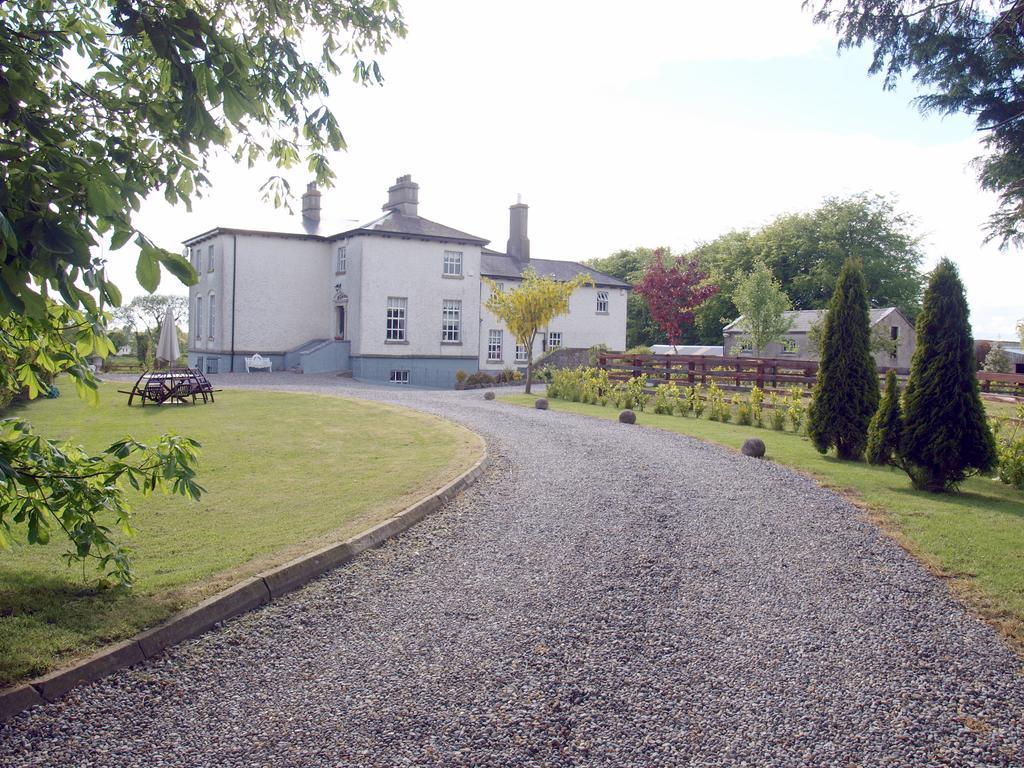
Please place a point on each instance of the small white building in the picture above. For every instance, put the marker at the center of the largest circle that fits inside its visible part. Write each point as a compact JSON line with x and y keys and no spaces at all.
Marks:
{"x":397,"y":299}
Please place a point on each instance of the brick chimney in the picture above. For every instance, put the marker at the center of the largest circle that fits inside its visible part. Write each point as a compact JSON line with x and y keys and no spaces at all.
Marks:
{"x":518,"y":243}
{"x":403,"y":197}
{"x":311,"y":203}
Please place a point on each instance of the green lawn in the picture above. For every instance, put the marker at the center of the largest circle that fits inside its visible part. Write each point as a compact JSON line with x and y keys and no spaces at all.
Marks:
{"x":975,"y":537}
{"x":284,"y":473}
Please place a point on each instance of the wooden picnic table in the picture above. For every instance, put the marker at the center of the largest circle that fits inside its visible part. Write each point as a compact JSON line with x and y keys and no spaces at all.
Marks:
{"x":176,"y":385}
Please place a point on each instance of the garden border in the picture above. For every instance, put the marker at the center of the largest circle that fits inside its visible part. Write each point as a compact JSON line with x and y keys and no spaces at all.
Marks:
{"x":241,"y":598}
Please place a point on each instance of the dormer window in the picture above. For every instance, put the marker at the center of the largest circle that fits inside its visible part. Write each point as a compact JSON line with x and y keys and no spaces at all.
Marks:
{"x":452,"y":264}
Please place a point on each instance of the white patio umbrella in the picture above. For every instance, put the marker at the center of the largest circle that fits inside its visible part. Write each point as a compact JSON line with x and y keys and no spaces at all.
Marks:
{"x":167,"y":349}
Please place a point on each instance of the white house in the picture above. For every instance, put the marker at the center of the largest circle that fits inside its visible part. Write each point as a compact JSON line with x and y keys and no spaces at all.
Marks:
{"x":397,"y":299}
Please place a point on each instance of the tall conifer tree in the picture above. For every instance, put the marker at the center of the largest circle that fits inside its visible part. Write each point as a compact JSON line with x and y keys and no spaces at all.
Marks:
{"x":846,"y":393}
{"x":886,"y":427}
{"x":946,"y":436}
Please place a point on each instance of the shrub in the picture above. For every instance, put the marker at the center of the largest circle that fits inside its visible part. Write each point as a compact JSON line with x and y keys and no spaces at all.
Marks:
{"x":666,"y":399}
{"x":1011,"y":454}
{"x":887,"y":426}
{"x":744,"y":417}
{"x":997,"y":361}
{"x":946,"y":436}
{"x":460,"y":376}
{"x":795,"y":409}
{"x":479,"y":378}
{"x":692,"y":402}
{"x":777,"y":415}
{"x":846,"y":392}
{"x":636,"y":394}
{"x":757,"y":406}
{"x":716,"y":403}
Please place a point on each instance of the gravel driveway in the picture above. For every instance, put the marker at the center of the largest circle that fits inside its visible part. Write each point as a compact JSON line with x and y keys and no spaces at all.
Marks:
{"x":604,"y":596}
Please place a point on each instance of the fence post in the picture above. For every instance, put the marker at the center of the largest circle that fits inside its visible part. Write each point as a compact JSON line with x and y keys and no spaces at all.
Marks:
{"x":690,"y":367}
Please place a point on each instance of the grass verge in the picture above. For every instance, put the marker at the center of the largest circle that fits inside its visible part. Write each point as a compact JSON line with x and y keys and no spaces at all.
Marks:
{"x":284,"y":473}
{"x":974,"y":538}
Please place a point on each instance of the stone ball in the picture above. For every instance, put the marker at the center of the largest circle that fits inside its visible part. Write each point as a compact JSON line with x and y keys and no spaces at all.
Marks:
{"x":627,"y":417}
{"x":753,"y":447}
{"x":541,"y":404}
{"x":488,"y":395}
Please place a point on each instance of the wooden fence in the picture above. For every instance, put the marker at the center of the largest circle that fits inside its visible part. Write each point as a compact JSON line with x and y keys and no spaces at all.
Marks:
{"x":743,"y":373}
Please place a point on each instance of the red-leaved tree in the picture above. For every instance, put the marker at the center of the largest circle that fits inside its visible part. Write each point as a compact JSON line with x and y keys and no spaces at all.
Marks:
{"x":673,"y":287}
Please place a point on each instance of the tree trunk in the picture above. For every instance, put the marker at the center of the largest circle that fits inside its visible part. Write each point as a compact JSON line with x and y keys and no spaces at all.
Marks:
{"x":529,"y":373}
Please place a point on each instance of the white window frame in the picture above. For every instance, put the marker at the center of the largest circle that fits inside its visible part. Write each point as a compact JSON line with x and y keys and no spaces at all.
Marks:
{"x":790,"y":346}
{"x":399,"y":377}
{"x":602,"y":302}
{"x":211,"y":316}
{"x":209,"y":258}
{"x":521,"y":356}
{"x":452,"y":266}
{"x":341,"y":260}
{"x":498,"y":288}
{"x":199,"y":317}
{"x":552,"y":337}
{"x":495,"y":345}
{"x":451,"y":321}
{"x":396,"y":325}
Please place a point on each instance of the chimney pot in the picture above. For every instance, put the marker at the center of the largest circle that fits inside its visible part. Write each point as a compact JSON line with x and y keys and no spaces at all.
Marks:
{"x":403,"y":196}
{"x":311,"y":203}
{"x":518,"y":242}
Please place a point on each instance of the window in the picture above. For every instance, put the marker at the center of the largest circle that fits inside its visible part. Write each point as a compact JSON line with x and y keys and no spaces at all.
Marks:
{"x":554,"y":339}
{"x":396,"y":318}
{"x":790,"y":346}
{"x":451,"y":321}
{"x":209,"y":259}
{"x":199,"y":317}
{"x":452,"y":264}
{"x":195,"y":255}
{"x":399,"y":377}
{"x":494,"y":346}
{"x":213,"y":365}
{"x":498,"y":288}
{"x":602,"y":302}
{"x":211,"y":311}
{"x":341,"y":261}
{"x":521,"y":354}
{"x":746,"y":346}
{"x":894,"y":336}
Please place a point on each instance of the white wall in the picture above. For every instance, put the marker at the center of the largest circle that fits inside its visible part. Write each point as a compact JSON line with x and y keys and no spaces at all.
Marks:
{"x":391,"y":266}
{"x":284,"y":289}
{"x":210,"y":281}
{"x":583,"y":327}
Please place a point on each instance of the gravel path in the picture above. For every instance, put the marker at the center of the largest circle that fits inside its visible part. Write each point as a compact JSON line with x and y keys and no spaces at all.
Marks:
{"x":604,"y":596}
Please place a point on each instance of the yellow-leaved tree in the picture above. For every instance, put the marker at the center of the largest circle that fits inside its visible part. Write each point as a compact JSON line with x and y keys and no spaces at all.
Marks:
{"x":530,"y":306}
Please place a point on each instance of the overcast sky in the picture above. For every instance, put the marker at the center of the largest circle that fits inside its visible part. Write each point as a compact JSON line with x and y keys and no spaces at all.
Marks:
{"x":649,"y":123}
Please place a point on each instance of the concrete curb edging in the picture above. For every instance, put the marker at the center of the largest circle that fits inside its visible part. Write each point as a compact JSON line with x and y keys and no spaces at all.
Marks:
{"x":246,"y":596}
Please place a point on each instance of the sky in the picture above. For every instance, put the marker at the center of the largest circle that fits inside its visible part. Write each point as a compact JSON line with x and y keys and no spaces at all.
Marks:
{"x":624,"y":125}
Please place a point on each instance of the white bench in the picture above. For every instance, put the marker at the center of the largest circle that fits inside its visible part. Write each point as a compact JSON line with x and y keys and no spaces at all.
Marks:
{"x":258,"y":361}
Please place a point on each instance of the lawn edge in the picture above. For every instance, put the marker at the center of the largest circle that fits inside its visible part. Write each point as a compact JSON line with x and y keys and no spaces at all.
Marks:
{"x":961,"y":587}
{"x":246,"y":596}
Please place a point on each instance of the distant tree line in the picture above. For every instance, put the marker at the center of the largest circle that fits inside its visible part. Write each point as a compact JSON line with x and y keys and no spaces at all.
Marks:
{"x":804,"y":254}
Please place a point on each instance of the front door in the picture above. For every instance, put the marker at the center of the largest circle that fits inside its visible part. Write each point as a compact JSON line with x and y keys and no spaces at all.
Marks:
{"x":340,"y":330}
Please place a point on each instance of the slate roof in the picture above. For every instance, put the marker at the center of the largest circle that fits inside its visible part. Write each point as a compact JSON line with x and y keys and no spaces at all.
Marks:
{"x":391,"y":223}
{"x":803,"y":319}
{"x":496,"y":264}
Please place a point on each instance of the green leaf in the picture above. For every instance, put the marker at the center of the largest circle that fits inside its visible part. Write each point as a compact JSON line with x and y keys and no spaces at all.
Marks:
{"x":179,"y":266}
{"x":147,"y":271}
{"x":120,"y":237}
{"x":101,"y":198}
